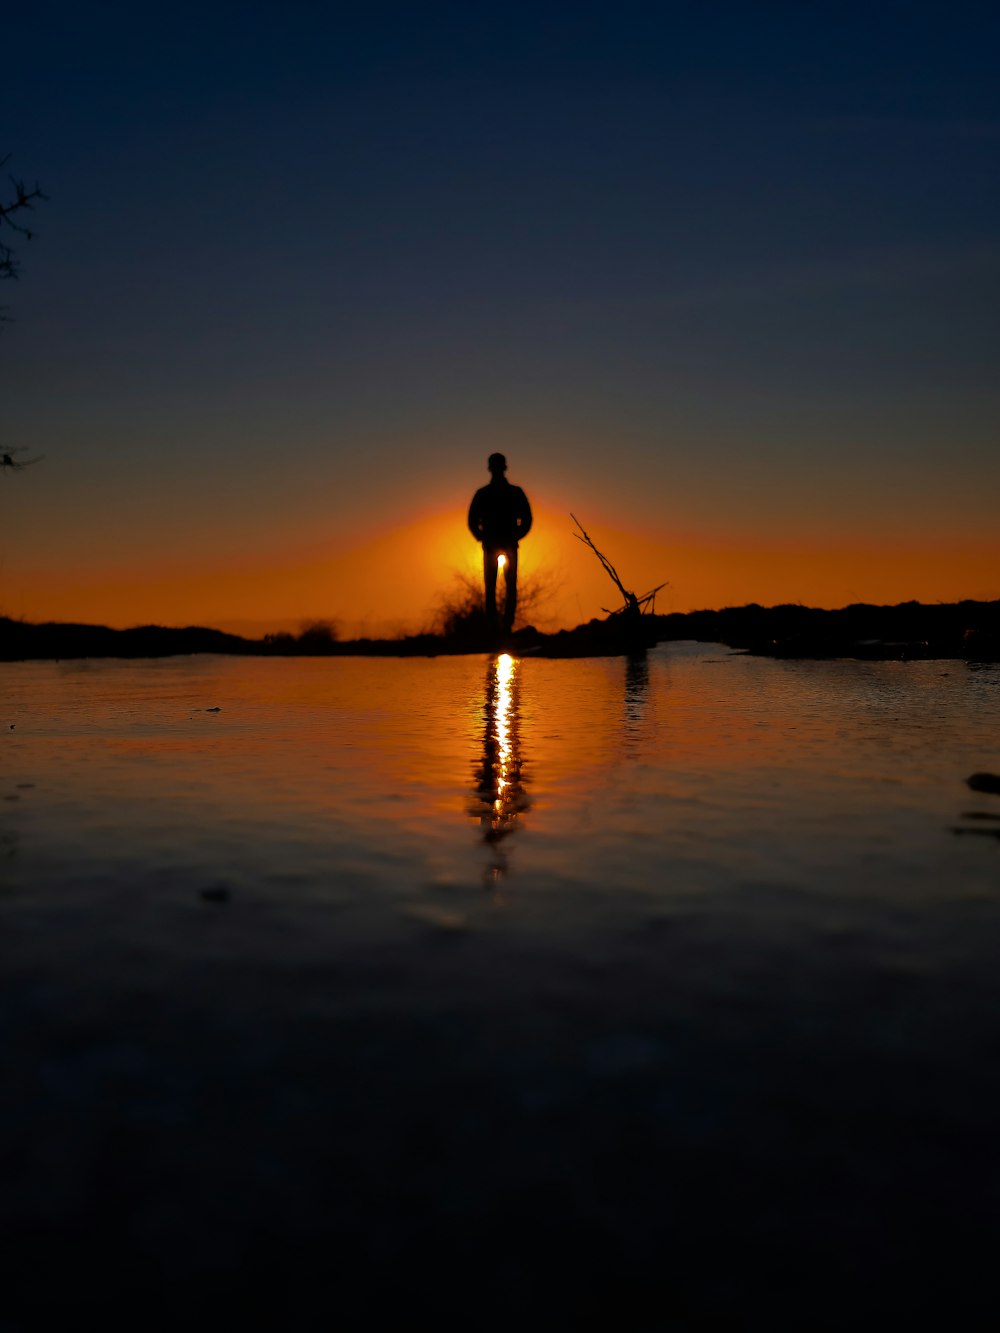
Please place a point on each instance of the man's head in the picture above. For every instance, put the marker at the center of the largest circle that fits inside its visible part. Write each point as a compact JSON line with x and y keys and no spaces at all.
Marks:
{"x":497,"y":464}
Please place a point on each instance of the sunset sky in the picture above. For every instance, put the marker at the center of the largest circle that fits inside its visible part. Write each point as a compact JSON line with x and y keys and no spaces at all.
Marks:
{"x":722,"y":280}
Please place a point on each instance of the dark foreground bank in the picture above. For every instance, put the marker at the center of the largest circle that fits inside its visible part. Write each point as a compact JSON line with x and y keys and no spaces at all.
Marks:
{"x":908,"y":631}
{"x":479,"y":1137}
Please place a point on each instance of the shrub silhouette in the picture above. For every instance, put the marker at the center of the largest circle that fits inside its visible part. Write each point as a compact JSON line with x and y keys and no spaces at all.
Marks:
{"x":461,"y":613}
{"x":317,"y":634}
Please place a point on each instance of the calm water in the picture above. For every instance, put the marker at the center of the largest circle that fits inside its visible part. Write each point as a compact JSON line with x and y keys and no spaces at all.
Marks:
{"x":560,"y":798}
{"x":647,"y":968}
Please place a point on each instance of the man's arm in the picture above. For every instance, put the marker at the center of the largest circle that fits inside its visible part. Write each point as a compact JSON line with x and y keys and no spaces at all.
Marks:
{"x":523,"y":516}
{"x":475,"y":519}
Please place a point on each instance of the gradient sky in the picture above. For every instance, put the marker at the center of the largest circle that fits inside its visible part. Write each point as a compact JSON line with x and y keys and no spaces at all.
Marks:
{"x":723,"y":280}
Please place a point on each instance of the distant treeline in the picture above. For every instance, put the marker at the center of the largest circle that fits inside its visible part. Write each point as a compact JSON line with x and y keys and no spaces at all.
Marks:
{"x":910,"y":630}
{"x":907,"y":630}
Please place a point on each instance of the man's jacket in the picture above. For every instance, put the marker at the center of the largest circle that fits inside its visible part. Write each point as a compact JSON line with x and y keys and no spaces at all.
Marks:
{"x":499,"y":514}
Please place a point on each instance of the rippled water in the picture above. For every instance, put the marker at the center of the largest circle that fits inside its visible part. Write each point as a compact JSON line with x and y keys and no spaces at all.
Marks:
{"x":559,"y":955}
{"x":543,"y":795}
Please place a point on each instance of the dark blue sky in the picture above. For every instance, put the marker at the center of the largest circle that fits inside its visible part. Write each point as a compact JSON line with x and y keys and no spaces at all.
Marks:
{"x":702,"y":264}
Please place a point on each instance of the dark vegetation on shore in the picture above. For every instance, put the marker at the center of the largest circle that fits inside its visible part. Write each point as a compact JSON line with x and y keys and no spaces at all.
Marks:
{"x":909,"y":631}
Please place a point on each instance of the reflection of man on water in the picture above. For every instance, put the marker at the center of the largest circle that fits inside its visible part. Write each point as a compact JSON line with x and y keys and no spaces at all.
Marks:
{"x":499,"y":517}
{"x":501,"y":797}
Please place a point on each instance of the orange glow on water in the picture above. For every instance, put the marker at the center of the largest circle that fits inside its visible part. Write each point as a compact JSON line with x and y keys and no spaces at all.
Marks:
{"x":504,"y":678}
{"x":500,"y":787}
{"x":504,"y":745}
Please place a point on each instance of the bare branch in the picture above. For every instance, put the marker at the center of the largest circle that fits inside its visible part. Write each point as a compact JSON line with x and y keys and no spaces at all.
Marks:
{"x":633,"y":605}
{"x":10,"y":462}
{"x":608,"y":566}
{"x":20,"y":202}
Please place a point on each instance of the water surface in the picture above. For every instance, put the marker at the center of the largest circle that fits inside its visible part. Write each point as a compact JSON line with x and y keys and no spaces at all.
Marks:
{"x":645,"y":967}
{"x":579,"y":789}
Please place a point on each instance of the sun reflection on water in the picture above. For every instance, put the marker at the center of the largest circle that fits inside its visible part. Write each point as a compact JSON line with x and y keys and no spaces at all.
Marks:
{"x":499,"y":783}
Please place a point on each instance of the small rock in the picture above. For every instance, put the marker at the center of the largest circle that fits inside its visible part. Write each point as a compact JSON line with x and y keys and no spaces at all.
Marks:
{"x":985,"y":782}
{"x":218,"y":894}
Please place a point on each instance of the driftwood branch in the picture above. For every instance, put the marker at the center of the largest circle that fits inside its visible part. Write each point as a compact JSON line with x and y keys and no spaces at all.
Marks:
{"x":634,"y":605}
{"x":583,"y":536}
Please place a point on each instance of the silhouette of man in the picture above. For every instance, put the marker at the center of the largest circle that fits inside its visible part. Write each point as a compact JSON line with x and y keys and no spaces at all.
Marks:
{"x":499,"y":517}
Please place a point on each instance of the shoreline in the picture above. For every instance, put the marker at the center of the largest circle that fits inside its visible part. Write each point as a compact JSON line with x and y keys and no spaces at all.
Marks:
{"x":908,"y":631}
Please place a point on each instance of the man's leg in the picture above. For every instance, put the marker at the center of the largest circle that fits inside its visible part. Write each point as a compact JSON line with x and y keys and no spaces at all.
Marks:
{"x":490,"y":580}
{"x":510,"y":585}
